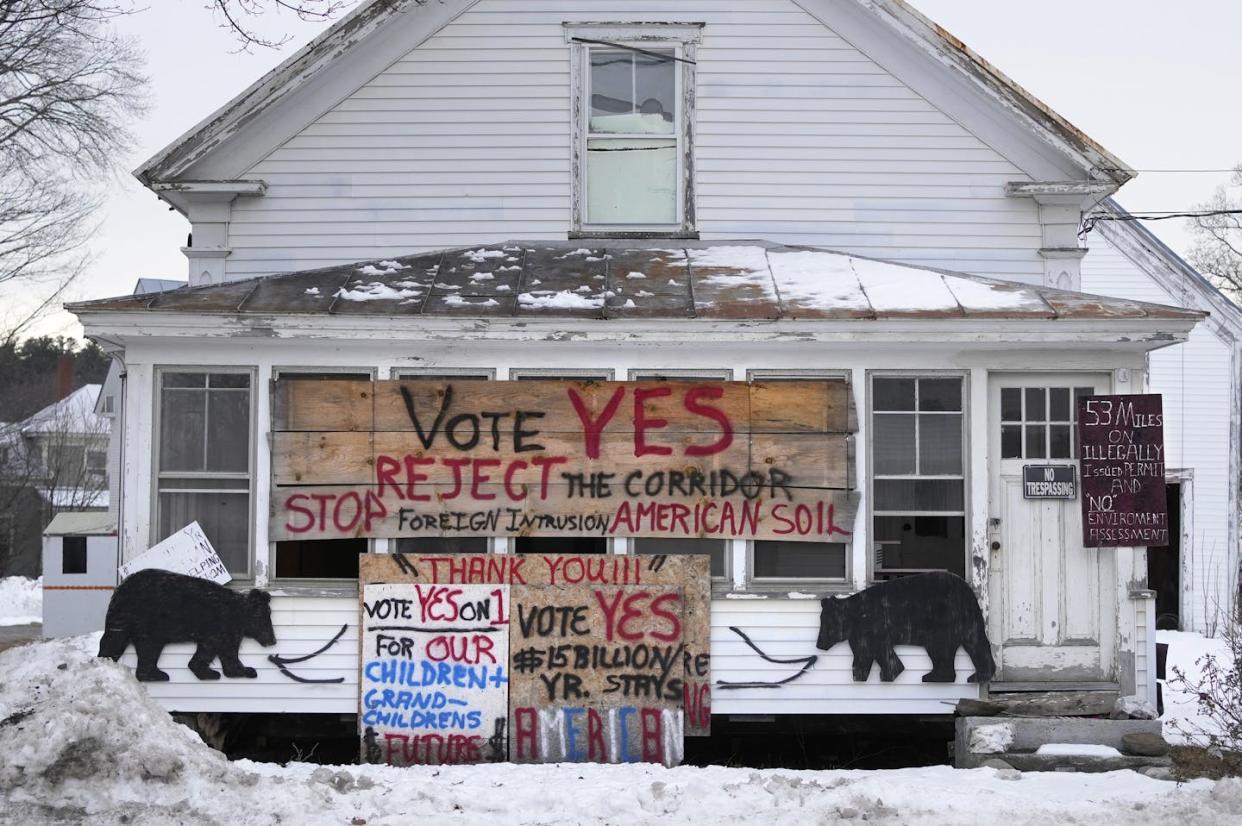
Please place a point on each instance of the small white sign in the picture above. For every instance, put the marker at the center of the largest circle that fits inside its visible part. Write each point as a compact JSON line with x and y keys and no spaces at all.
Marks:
{"x":188,"y":551}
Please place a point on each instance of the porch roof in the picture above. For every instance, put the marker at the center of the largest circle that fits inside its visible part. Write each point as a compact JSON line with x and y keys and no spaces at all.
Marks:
{"x":625,"y":280}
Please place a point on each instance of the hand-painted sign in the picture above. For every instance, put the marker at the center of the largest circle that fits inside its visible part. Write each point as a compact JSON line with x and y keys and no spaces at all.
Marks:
{"x":434,"y":678}
{"x":188,"y":552}
{"x":572,"y":458}
{"x":532,"y":658}
{"x":1048,"y":482}
{"x":1121,"y":450}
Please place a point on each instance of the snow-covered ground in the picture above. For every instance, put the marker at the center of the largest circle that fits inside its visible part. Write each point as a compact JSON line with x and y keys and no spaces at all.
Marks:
{"x":21,"y":600}
{"x":80,"y":741}
{"x":1185,"y":651}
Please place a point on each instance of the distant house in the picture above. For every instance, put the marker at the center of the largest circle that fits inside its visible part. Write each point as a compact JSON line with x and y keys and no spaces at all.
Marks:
{"x":53,"y":461}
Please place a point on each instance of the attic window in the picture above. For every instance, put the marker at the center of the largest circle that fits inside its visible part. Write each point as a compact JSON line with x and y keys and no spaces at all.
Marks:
{"x":634,"y":87}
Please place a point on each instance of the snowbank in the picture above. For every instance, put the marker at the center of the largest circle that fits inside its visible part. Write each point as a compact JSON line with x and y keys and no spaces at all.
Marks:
{"x":81,"y":742}
{"x":1185,"y":651}
{"x":21,"y":600}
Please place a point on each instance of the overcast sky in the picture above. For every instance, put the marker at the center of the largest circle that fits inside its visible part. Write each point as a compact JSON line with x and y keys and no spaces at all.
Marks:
{"x":1156,"y":82}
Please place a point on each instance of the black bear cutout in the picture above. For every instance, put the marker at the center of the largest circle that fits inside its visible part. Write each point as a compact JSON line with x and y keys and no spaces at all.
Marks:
{"x":153,"y":608}
{"x":935,"y":610}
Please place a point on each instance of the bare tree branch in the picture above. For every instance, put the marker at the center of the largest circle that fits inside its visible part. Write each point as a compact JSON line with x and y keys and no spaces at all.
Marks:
{"x":69,"y":85}
{"x":1217,"y":250}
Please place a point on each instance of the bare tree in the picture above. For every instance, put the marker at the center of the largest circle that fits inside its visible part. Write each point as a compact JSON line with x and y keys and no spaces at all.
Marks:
{"x":68,"y":86}
{"x":1217,"y":250}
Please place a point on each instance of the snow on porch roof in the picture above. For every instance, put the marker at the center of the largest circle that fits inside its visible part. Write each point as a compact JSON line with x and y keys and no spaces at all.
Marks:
{"x":733,"y":280}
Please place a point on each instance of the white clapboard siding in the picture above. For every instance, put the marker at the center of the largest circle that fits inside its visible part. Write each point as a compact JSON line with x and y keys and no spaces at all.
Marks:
{"x":782,"y":628}
{"x":1195,"y":381}
{"x":302,"y":625}
{"x":788,"y":629}
{"x":800,"y":138}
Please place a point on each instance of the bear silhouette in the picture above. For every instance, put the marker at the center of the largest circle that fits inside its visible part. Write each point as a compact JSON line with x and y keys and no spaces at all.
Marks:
{"x":152,"y":608}
{"x":935,"y":610}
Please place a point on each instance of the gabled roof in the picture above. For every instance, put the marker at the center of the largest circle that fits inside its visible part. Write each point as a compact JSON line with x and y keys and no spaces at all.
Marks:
{"x":617,"y":280}
{"x":372,"y":23}
{"x":1172,"y":272}
{"x":74,"y":413}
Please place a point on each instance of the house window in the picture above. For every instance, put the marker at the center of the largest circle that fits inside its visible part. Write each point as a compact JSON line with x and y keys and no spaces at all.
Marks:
{"x":443,"y":544}
{"x":204,"y":460}
{"x":319,"y":558}
{"x":632,"y":127}
{"x":918,"y":486}
{"x":73,"y":555}
{"x":1038,"y":422}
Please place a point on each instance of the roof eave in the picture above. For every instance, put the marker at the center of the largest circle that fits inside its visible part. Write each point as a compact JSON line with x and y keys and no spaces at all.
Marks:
{"x":1097,"y":161}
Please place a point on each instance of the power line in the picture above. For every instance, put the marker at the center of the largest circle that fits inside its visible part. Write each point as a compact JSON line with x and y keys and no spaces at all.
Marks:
{"x":1089,"y":221}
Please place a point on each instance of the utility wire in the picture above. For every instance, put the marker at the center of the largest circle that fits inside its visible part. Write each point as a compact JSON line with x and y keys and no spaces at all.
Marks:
{"x":1089,"y":221}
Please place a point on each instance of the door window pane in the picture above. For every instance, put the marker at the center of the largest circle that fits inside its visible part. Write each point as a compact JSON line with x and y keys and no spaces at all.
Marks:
{"x":1035,"y":445}
{"x":1059,"y":442}
{"x":228,"y":441}
{"x":1035,"y":405}
{"x":183,"y":421}
{"x":1011,"y":404}
{"x":918,"y":495}
{"x":910,"y":544}
{"x":1011,"y":441}
{"x":1059,"y":404}
{"x":443,"y":545}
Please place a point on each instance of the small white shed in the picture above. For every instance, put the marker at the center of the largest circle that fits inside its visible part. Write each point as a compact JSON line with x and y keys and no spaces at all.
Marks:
{"x":79,"y":572}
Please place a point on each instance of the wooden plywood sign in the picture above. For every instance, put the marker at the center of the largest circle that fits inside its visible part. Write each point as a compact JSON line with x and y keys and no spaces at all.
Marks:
{"x":1121,"y":449}
{"x":534,"y":659}
{"x":759,"y":460}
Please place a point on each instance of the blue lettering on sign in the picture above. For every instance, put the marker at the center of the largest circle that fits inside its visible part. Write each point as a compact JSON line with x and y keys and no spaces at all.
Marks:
{"x":425,"y":674}
{"x":423,"y":719}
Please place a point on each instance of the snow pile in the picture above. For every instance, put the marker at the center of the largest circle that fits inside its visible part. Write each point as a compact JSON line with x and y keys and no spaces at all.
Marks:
{"x":1181,"y":709}
{"x":21,"y":600}
{"x":1078,"y":750}
{"x":83,"y":743}
{"x":81,"y":735}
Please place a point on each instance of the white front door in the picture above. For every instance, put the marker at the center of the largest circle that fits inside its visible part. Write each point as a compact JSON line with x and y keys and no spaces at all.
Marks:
{"x":1052,"y":600}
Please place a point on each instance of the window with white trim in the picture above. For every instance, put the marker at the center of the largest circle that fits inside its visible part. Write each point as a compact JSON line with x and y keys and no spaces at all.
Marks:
{"x":918,"y":481}
{"x":632,"y":127}
{"x":204,"y":463}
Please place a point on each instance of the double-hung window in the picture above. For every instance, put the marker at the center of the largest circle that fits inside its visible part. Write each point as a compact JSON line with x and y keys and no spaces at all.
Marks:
{"x":632,"y":129}
{"x":204,"y":459}
{"x":918,"y":483}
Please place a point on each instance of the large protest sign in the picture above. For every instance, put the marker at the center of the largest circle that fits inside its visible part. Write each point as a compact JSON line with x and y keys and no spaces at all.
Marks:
{"x":532,"y":658}
{"x":759,"y":460}
{"x":1121,"y":449}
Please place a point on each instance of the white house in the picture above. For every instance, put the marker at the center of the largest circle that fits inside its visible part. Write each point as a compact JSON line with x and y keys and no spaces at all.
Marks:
{"x":828,"y":191}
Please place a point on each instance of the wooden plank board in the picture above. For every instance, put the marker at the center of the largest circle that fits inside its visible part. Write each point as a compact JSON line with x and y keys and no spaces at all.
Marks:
{"x":336,"y":512}
{"x":338,"y":458}
{"x":603,"y":654}
{"x":811,"y":405}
